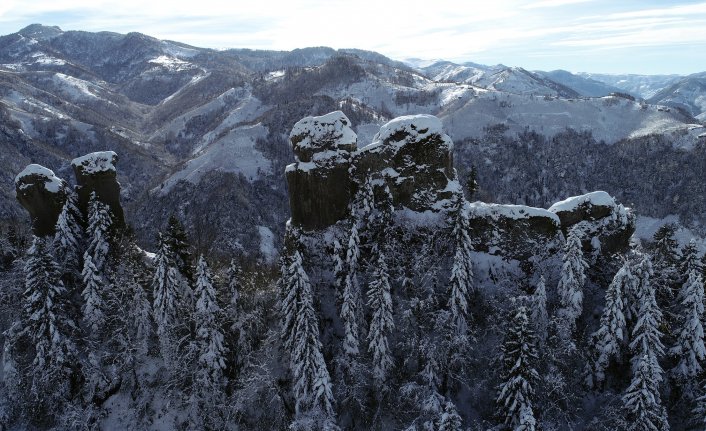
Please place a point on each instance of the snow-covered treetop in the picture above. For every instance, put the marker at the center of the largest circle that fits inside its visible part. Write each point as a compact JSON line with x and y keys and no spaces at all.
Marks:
{"x":598,"y":198}
{"x":101,"y":161}
{"x":330,"y":132}
{"x":51,"y":182}
{"x":410,"y":128}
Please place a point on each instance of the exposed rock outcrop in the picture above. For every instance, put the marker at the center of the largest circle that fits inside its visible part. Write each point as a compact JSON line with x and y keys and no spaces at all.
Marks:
{"x":413,"y":157}
{"x":319,"y":181}
{"x":96,"y":172}
{"x":514,"y":231}
{"x":410,"y":154}
{"x":605,"y":225}
{"x":43,"y":195}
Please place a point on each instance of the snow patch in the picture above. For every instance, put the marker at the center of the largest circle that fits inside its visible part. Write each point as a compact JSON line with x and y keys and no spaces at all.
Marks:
{"x":172,"y":64}
{"x":599,"y":198}
{"x":515,"y":212}
{"x":334,"y":127}
{"x":267,"y":244}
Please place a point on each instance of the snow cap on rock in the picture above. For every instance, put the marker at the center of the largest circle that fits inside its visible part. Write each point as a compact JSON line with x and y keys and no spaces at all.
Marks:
{"x":52,"y":183}
{"x":330,"y":132}
{"x":101,"y":161}
{"x":411,"y":128}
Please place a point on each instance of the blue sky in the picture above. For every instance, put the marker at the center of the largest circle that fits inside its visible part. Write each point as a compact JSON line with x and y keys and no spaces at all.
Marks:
{"x":618,"y":36}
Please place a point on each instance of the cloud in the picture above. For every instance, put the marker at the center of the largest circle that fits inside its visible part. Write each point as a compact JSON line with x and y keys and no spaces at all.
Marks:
{"x":507,"y":31}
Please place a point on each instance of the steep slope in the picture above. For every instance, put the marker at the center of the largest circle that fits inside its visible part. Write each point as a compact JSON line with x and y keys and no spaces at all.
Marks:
{"x":688,"y":93}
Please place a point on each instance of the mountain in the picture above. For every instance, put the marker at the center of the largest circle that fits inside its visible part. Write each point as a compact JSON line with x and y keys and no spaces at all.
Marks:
{"x":583,"y":85}
{"x":202,"y":133}
{"x":644,"y":86}
{"x":689,"y":93}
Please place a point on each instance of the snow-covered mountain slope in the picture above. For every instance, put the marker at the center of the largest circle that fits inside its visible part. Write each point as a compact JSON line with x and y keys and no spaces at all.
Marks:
{"x":585,"y":86}
{"x":688,"y":93}
{"x":188,"y":122}
{"x":644,"y":86}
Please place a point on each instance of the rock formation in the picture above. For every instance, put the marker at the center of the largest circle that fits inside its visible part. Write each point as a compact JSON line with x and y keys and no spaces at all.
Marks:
{"x":43,"y":195}
{"x":96,"y":172}
{"x":319,"y":181}
{"x":413,"y":157}
{"x":410,"y":154}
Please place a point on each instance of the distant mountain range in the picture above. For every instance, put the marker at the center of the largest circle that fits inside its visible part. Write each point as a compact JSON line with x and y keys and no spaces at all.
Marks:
{"x":203,"y":133}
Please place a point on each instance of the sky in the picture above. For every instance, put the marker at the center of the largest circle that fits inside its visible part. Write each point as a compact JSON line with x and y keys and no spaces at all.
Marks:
{"x":608,"y":36}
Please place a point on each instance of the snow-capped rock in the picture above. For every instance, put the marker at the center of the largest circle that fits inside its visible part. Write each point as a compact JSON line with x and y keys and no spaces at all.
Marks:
{"x":330,"y":132}
{"x":42,"y":194}
{"x":95,"y":172}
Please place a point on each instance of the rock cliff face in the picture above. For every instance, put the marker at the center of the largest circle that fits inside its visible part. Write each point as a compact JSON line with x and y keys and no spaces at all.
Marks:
{"x":43,"y":194}
{"x":319,"y":181}
{"x":413,"y":157}
{"x":96,"y":172}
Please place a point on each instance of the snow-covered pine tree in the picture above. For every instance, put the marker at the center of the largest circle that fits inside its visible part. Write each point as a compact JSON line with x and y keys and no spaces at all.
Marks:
{"x":527,"y":420}
{"x":571,"y":283}
{"x":141,"y":318}
{"x":699,"y":411}
{"x":49,"y":328}
{"x":166,"y":287}
{"x":461,"y":281}
{"x":209,"y":337}
{"x":666,"y":279}
{"x":450,"y":419}
{"x":381,"y":323}
{"x":178,"y":241}
{"x":94,"y":303}
{"x":519,"y":354}
{"x":300,"y":332}
{"x":365,"y":203}
{"x":99,"y":223}
{"x":689,"y":348}
{"x":612,"y":330}
{"x":690,"y":259}
{"x":539,"y":314}
{"x":351,"y":308}
{"x":68,"y":239}
{"x":642,"y":400}
{"x":339,"y":272}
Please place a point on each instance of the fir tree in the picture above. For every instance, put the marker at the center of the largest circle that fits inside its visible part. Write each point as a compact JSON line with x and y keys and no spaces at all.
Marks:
{"x":339,"y":272}
{"x":365,"y":203}
{"x":166,"y":287}
{"x":94,"y":303}
{"x":690,"y":259}
{"x":68,"y":239}
{"x":571,"y":283}
{"x":666,"y":264}
{"x":527,"y":420}
{"x":381,"y":324}
{"x":540,"y":317}
{"x":209,"y":338}
{"x":351,"y":308}
{"x":519,"y":375}
{"x":612,"y":330}
{"x":461,"y":282}
{"x":312,"y":383}
{"x":48,"y":326}
{"x":450,"y":419}
{"x":235,"y":282}
{"x":641,"y":399}
{"x":99,"y":223}
{"x":472,"y":183}
{"x":689,"y":348}
{"x":179,"y":246}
